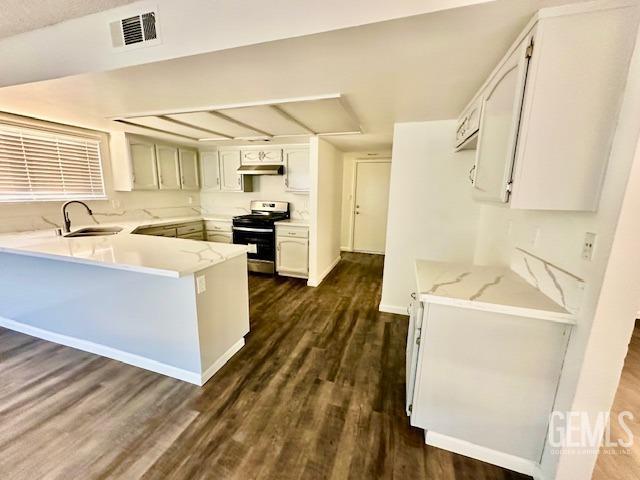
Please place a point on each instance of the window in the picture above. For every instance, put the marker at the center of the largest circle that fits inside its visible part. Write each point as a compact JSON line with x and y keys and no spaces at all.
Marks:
{"x":38,"y":165}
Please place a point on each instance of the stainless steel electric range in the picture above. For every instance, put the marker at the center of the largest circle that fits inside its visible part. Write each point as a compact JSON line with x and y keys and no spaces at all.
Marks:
{"x":257,"y":230}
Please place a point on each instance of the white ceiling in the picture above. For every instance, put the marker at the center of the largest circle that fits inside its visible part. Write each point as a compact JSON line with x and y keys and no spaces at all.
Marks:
{"x":20,"y":16}
{"x":419,"y":68}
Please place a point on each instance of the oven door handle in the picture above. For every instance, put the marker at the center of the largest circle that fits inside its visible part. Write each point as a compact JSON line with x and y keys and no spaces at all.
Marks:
{"x":248,"y":229}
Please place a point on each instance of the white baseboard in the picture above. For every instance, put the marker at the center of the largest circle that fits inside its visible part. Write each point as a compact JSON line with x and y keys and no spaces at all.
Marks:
{"x":220,"y":362}
{"x":399,"y":310}
{"x":488,"y":455}
{"x":346,"y":249}
{"x":317,"y":281}
{"x":538,"y":474}
{"x":125,"y":357}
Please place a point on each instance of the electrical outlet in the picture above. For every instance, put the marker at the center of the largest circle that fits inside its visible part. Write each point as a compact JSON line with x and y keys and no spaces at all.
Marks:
{"x":201,"y":284}
{"x":115,"y":203}
{"x":588,"y":246}
{"x":190,"y":200}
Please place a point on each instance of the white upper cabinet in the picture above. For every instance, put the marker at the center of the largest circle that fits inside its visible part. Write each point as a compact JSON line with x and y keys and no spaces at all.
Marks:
{"x":143,"y":165}
{"x":210,"y":171}
{"x":230,"y":179}
{"x":168,"y":167}
{"x":499,"y":128}
{"x":257,"y":156}
{"x":189,"y":177}
{"x":547,"y":122}
{"x":468,"y":126}
{"x":296,"y":169}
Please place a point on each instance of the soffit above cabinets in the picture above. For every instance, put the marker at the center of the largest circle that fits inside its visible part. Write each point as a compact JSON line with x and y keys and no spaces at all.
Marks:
{"x":325,"y":115}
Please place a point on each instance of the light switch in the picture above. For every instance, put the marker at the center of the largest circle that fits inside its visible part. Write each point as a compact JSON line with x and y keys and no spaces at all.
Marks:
{"x":201,"y":284}
{"x":588,"y":246}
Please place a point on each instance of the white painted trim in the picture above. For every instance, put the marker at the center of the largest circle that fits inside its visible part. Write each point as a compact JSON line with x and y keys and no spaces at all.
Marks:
{"x":488,"y":455}
{"x":317,"y":281}
{"x":104,"y":351}
{"x":221,"y":361}
{"x":398,"y":310}
{"x":225,"y":106}
{"x":538,"y":474}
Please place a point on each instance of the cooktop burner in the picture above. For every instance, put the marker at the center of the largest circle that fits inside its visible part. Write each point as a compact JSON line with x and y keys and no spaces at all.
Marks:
{"x":263,"y":213}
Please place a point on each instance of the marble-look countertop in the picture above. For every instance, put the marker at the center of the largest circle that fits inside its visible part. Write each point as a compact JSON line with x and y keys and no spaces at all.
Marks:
{"x":294,"y":222}
{"x":488,"y":288}
{"x":172,"y":257}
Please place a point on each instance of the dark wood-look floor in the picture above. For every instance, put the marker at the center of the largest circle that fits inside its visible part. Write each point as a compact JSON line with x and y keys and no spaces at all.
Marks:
{"x":317,"y":392}
{"x":617,"y":463}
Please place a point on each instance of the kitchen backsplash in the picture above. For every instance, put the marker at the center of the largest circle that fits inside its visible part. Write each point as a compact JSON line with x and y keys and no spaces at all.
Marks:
{"x":149,"y":205}
{"x":120,"y":206}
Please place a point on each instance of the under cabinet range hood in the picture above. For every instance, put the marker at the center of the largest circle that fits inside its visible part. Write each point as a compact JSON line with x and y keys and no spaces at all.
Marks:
{"x":261,"y":170}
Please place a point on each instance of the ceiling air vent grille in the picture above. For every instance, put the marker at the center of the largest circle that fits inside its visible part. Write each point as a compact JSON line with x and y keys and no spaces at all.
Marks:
{"x":134,"y":30}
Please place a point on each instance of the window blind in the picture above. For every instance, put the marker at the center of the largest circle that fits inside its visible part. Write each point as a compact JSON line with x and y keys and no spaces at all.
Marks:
{"x":38,"y":166}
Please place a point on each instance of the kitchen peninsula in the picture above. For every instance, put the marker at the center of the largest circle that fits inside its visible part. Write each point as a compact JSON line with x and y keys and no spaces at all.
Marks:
{"x":174,"y":306}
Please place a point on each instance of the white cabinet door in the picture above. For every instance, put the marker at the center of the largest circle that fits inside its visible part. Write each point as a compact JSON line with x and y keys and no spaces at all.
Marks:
{"x":253,"y":156}
{"x":296,"y":173}
{"x":230,"y":179}
{"x":143,"y":165}
{"x":210,"y":171}
{"x":168,"y":167}
{"x":219,"y":237}
{"x":271,"y":155}
{"x":499,"y":123}
{"x":413,"y":347}
{"x":189,"y":178}
{"x":292,"y":255}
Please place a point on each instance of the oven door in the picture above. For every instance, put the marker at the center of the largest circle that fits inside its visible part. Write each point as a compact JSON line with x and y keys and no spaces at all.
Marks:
{"x":261,"y":242}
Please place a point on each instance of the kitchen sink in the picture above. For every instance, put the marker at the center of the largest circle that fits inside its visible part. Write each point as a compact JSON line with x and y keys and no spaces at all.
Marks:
{"x":94,"y":232}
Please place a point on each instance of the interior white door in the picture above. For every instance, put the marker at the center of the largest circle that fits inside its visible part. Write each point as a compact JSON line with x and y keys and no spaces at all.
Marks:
{"x":371,"y":206}
{"x":189,"y":177}
{"x":168,"y":167}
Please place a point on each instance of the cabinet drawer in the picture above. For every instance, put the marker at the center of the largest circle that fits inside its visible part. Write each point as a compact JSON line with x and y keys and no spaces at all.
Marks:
{"x":194,"y":236}
{"x":158,"y":231}
{"x":287,"y":231}
{"x":187,"y":228}
{"x":219,"y":237}
{"x":218,"y":226}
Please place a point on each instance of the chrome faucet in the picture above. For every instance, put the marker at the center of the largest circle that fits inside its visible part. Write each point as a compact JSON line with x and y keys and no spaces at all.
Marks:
{"x":65,"y":214}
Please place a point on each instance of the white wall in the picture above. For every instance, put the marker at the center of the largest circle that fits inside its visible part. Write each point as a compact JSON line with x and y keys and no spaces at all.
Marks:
{"x":326,"y":209}
{"x":187,"y":27}
{"x":348,"y":190}
{"x":265,"y":187}
{"x":15,"y":217}
{"x":431,"y":214}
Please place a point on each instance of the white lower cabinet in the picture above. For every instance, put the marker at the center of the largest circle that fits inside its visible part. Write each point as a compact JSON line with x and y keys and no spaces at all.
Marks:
{"x":219,"y":237}
{"x":483,"y":381}
{"x":292,"y":251}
